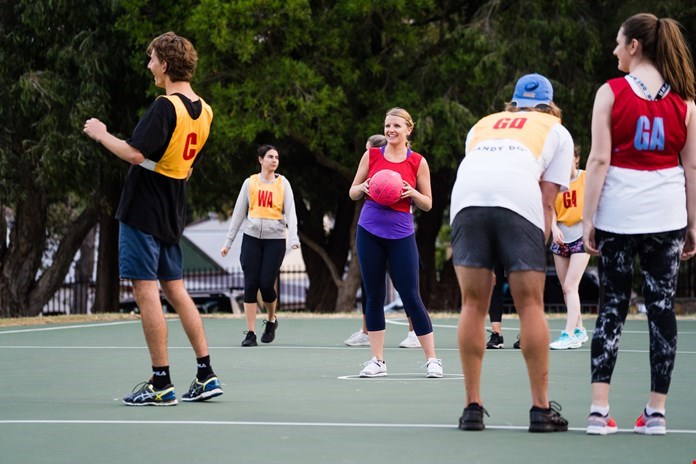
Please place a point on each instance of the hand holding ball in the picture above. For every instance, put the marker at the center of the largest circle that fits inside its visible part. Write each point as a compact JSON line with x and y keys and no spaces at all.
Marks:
{"x":386,"y":187}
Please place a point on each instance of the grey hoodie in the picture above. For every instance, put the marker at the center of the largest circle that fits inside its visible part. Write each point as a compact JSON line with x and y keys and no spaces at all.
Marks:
{"x":264,"y":228}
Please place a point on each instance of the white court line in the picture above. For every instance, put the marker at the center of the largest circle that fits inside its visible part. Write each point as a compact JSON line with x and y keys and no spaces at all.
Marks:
{"x":282,"y":347}
{"x":82,"y":326}
{"x":402,"y":376}
{"x":517,"y":329}
{"x":389,"y":321}
{"x":290,"y":424}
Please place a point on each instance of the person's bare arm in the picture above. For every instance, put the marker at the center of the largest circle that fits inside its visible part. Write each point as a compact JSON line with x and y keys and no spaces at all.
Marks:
{"x":96,"y":130}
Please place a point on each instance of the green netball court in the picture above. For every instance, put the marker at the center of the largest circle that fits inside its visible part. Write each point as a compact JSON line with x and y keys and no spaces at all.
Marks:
{"x":299,"y":400}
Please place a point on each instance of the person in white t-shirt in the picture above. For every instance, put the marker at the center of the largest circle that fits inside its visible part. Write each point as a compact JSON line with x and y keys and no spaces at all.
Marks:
{"x":516,"y":162}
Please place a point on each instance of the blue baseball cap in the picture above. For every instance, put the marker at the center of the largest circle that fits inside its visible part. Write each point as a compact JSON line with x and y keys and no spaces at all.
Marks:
{"x":532,"y":90}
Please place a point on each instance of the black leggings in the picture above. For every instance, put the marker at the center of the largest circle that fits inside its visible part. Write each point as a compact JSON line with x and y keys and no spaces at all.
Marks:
{"x":659,"y":264}
{"x":261,"y":260}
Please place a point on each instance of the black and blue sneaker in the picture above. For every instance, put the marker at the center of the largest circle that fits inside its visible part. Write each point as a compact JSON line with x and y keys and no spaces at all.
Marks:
{"x":201,"y":391}
{"x":144,"y":394}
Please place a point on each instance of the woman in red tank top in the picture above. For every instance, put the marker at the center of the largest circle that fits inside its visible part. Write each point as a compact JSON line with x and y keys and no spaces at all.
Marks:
{"x":640,"y":202}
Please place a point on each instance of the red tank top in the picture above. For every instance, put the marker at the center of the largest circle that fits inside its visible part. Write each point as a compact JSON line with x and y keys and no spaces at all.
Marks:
{"x":407,"y":168}
{"x":646,"y":135}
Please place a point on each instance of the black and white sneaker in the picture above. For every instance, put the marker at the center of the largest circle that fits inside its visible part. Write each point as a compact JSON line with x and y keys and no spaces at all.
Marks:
{"x":495,"y":342}
{"x":269,"y":331}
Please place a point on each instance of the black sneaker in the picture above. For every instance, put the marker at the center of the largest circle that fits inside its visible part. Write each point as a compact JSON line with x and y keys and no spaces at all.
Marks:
{"x":472,"y":417}
{"x":269,"y":331}
{"x":250,"y":339}
{"x":516,"y":345}
{"x":547,"y":420}
{"x":495,"y":342}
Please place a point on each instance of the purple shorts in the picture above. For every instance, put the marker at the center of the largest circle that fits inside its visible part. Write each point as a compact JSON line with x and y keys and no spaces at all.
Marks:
{"x":568,"y":249}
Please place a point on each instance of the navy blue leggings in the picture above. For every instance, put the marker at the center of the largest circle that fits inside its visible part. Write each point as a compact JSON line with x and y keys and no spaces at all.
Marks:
{"x":261,"y":260}
{"x":401,"y":255}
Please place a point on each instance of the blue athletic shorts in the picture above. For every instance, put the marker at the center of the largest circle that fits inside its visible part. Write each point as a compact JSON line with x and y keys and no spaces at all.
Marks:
{"x":483,"y":236}
{"x":144,"y":257}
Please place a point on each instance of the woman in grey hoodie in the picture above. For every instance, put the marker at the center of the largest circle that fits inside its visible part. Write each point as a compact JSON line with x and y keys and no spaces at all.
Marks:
{"x":266,"y":208}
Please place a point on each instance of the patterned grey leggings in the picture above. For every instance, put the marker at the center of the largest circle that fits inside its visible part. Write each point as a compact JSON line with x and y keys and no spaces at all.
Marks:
{"x":658,"y":256}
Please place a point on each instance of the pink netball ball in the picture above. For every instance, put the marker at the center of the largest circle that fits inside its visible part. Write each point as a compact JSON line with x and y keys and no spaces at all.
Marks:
{"x":386,"y":187}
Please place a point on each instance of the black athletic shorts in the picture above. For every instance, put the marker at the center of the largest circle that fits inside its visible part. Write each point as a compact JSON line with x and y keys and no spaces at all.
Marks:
{"x":482,"y":236}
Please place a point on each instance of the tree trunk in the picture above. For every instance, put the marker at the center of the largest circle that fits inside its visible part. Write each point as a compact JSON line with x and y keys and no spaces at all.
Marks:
{"x":106,"y":298}
{"x":3,"y":231}
{"x":53,"y":277}
{"x":22,"y":294}
{"x":22,"y":258}
{"x":325,"y":256}
{"x":3,"y":250}
{"x":429,"y":225}
{"x":348,"y":288}
{"x":84,"y":268}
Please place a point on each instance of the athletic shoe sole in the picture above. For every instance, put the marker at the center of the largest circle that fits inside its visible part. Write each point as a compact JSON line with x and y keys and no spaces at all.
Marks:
{"x":357,"y":344}
{"x":601,"y":430}
{"x":547,"y":428}
{"x":650,"y":431}
{"x":569,"y":347}
{"x":370,"y":376}
{"x":159,"y":403}
{"x":205,"y":395}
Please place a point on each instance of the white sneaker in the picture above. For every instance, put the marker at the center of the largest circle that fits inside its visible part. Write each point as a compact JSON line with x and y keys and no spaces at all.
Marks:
{"x":434,"y":367}
{"x":581,"y":334}
{"x":411,"y":341}
{"x":374,"y":368}
{"x":359,"y":338}
{"x":565,"y":342}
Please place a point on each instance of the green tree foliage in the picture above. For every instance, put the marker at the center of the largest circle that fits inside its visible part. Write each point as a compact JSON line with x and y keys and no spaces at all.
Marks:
{"x":55,"y":61}
{"x":317,"y":77}
{"x":313,"y":77}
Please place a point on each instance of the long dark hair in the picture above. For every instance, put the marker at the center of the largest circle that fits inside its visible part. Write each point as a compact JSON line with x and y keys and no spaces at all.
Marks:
{"x":664,"y":44}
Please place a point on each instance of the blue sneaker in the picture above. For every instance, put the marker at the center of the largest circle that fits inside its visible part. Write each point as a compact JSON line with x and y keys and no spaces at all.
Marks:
{"x":201,"y":391}
{"x":144,"y":394}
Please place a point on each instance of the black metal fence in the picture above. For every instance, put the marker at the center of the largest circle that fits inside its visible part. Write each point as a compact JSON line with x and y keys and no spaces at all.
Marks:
{"x":212,"y":291}
{"x":222,"y":291}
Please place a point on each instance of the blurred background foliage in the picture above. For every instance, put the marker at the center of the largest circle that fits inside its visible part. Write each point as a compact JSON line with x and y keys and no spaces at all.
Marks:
{"x":314,"y":78}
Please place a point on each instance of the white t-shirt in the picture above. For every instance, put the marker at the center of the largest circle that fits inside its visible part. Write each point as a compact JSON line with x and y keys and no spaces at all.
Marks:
{"x":507,"y":154}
